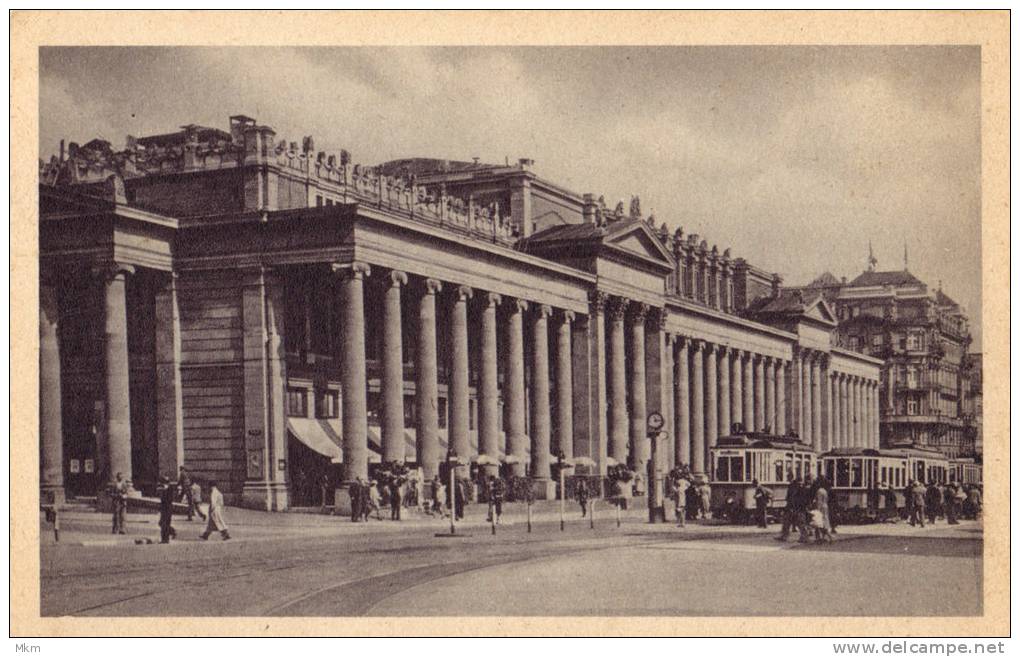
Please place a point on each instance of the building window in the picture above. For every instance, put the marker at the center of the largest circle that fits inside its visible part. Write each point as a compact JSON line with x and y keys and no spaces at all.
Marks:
{"x":329,"y":202}
{"x":326,"y":404}
{"x":913,"y":341}
{"x":318,"y":200}
{"x":911,"y":407}
{"x":876,"y":340}
{"x":912,"y":377}
{"x":854,"y":343}
{"x":297,"y":402}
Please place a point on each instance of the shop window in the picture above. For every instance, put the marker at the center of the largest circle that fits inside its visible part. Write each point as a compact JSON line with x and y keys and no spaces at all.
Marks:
{"x":297,"y":402}
{"x":326,"y":404}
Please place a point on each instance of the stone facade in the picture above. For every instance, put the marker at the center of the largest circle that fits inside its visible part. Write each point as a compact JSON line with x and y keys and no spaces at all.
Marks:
{"x":267,"y":314}
{"x":930,"y":384}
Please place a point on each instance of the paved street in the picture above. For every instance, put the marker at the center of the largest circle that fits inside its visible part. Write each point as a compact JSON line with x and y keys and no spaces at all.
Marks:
{"x":311,"y":565}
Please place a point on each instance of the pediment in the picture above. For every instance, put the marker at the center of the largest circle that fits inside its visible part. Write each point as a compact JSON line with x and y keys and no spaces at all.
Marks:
{"x":638,"y":239}
{"x":820,"y":311}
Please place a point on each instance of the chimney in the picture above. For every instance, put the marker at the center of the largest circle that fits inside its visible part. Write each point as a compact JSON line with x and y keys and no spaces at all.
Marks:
{"x":525,"y":164}
{"x":776,"y":285}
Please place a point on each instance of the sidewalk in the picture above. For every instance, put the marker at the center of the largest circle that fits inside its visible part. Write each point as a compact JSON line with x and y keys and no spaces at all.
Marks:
{"x":84,"y":528}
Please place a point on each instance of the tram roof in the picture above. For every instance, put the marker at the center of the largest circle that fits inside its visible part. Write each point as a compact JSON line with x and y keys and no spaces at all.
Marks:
{"x":896,"y":452}
{"x":759,"y":439}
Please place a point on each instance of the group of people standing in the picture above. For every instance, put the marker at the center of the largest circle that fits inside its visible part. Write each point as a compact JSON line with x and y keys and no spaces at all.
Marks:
{"x":936,"y":500}
{"x":373,"y":495}
{"x":691,"y":498}
{"x":807,"y":510}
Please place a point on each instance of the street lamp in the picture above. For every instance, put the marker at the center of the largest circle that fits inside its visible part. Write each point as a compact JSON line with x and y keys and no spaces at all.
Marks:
{"x":654,"y":424}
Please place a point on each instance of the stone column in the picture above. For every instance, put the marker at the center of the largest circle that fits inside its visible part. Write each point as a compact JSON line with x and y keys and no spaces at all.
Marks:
{"x":794,"y":395}
{"x":749,"y":392}
{"x":459,"y":385}
{"x":589,"y":370}
{"x":737,"y":384}
{"x":353,"y":372}
{"x":855,"y":413}
{"x":516,"y":435}
{"x":805,"y":400}
{"x":51,"y":432}
{"x":118,"y":391}
{"x":877,"y":419}
{"x":817,"y":437}
{"x":825,"y":382}
{"x":844,"y":410}
{"x":618,"y":422}
{"x":393,"y":372}
{"x":426,"y":393}
{"x":682,"y":404}
{"x":697,"y":406}
{"x":781,"y":405}
{"x":711,"y":402}
{"x":770,"y":395}
{"x":832,"y":394}
{"x":638,"y":399}
{"x":725,"y":424}
{"x":488,"y":384}
{"x":169,"y":394}
{"x":540,"y":420}
{"x":564,"y":387}
{"x":759,"y":393}
{"x":667,"y":453}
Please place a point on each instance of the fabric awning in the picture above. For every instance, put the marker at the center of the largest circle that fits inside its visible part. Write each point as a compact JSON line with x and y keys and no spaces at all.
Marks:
{"x":317,"y":435}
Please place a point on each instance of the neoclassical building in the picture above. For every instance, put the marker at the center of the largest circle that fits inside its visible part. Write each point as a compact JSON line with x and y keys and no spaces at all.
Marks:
{"x":266,"y":313}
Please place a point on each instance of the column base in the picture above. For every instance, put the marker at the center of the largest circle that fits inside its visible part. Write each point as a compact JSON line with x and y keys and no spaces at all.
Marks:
{"x":543,"y":489}
{"x":52,"y":495}
{"x":264,"y":496}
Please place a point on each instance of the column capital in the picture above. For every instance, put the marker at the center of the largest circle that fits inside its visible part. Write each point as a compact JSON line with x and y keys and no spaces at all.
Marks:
{"x":723,"y":349}
{"x":658,"y":317}
{"x":597,"y":300}
{"x":432,"y":286}
{"x":112,"y":270}
{"x":491,"y":299}
{"x":616,"y":307}
{"x":348,"y":270}
{"x":517,"y":305}
{"x":639,"y":311}
{"x":397,"y":278}
{"x":543,"y":310}
{"x":567,"y":316}
{"x":697,"y":346}
{"x":463,"y":293}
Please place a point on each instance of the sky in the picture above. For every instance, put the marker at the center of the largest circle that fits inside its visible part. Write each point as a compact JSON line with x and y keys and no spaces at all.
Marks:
{"x":797,"y":158}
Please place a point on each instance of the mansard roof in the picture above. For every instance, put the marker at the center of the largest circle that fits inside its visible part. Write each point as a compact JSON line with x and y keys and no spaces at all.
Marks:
{"x":880,"y":278}
{"x":795,"y":302}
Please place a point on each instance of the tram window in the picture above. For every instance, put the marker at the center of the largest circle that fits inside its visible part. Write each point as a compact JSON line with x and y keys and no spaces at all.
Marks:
{"x":722,"y":469}
{"x":855,"y":473}
{"x":747,"y":465}
{"x":830,"y":471}
{"x":736,"y":469}
{"x":843,"y":472}
{"x":779,"y":471}
{"x":885,"y":475}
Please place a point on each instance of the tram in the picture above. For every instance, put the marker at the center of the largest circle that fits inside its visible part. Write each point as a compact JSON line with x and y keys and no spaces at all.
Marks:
{"x":739,"y":459}
{"x":965,"y":471}
{"x":861,"y":476}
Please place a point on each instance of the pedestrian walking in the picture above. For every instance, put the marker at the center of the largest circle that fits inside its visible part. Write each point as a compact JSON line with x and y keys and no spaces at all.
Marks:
{"x":373,"y":499}
{"x":958,"y":500}
{"x":949,"y":503}
{"x":167,"y":496}
{"x":917,"y":495}
{"x":118,"y":495}
{"x":186,"y":492}
{"x":582,"y":496}
{"x":705,"y":495}
{"x":762,"y":500}
{"x":794,"y":514}
{"x":821,"y":521}
{"x":974,"y":500}
{"x":459,"y":497}
{"x":217,"y":520}
{"x":681,"y":487}
{"x":496,"y":492}
{"x":932,"y":502}
{"x":892,"y":510}
{"x":395,"y":499}
{"x":438,"y":497}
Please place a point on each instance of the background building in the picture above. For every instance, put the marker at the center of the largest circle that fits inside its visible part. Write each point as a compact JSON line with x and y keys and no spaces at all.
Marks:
{"x":930,"y":395}
{"x":271,"y":315}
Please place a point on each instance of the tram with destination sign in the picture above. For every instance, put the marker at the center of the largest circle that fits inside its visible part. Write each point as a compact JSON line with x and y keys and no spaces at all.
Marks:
{"x":965,"y":471}
{"x":739,"y":459}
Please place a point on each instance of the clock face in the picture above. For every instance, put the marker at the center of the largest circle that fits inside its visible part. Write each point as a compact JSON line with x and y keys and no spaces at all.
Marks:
{"x":655,"y":421}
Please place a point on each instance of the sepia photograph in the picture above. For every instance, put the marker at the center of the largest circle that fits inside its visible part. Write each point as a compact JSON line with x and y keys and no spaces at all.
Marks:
{"x":554,"y":331}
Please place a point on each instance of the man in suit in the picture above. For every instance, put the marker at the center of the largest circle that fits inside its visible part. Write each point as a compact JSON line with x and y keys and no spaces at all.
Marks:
{"x":167,"y":496}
